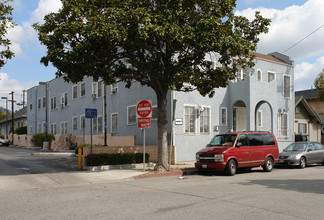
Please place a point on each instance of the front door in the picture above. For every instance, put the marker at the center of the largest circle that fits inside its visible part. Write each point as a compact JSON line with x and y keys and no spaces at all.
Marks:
{"x":240,"y":119}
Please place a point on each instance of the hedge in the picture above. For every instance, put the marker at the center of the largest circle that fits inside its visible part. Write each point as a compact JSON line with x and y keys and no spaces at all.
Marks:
{"x":115,"y":159}
{"x":21,"y":130}
{"x":38,"y":139}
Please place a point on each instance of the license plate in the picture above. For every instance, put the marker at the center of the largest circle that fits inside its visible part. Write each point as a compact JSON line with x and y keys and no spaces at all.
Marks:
{"x":281,"y":161}
{"x":204,"y":166}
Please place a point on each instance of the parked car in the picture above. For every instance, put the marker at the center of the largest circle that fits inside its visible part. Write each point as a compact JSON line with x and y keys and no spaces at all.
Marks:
{"x":302,"y":153}
{"x":4,"y":142}
{"x":230,"y":151}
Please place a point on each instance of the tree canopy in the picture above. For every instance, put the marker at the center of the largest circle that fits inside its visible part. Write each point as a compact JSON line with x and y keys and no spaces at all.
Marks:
{"x":5,"y":23}
{"x":159,"y":43}
{"x":319,"y":85}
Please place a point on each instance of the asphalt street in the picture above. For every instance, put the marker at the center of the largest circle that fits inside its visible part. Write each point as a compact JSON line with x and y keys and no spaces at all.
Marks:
{"x":282,"y":194}
{"x":18,"y":161}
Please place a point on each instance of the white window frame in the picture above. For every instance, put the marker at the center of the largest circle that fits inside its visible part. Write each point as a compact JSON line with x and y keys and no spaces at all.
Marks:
{"x":53,"y":128}
{"x":185,"y":120}
{"x":43,"y":126}
{"x":306,"y":128}
{"x":111,"y":122}
{"x":259,"y":113}
{"x":100,"y":92}
{"x":201,"y":116}
{"x":64,"y":99}
{"x":280,"y":129}
{"x":128,"y":122}
{"x":221,"y":116}
{"x":74,"y":120}
{"x":74,"y":92}
{"x":274,"y":78}
{"x":289,"y":89}
{"x":63,"y":127}
{"x":155,"y":108}
{"x":259,"y":73}
{"x":82,"y":122}
{"x":100,"y":119}
{"x":94,"y":125}
{"x":39,"y":127}
{"x":94,"y":90}
{"x":114,"y":88}
{"x":81,"y":90}
{"x":39,"y":103}
{"x":44,"y":102}
{"x":53,"y":103}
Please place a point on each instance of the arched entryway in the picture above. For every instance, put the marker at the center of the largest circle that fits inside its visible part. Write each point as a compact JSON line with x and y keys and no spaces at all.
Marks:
{"x":239,"y":116}
{"x":263,"y":116}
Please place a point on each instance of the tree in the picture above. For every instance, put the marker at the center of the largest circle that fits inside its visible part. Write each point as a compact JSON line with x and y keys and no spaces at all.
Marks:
{"x":5,"y":24}
{"x":159,"y":43}
{"x":319,"y":85}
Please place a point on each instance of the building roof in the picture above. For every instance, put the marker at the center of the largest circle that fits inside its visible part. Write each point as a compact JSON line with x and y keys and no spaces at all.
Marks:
{"x":22,"y":113}
{"x":311,"y":111}
{"x":274,"y":58}
{"x":307,"y":94}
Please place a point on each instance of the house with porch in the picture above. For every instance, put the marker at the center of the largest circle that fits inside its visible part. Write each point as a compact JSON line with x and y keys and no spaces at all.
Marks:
{"x":260,"y":98}
{"x":309,"y":115}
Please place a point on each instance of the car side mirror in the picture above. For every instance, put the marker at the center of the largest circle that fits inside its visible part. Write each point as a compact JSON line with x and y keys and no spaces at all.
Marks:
{"x":239,"y":144}
{"x":309,"y":149}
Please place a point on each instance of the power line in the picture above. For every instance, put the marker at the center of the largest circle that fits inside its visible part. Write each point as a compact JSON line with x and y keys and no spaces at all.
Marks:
{"x":303,"y":38}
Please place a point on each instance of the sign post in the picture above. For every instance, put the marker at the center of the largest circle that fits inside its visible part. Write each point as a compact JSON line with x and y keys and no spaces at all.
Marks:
{"x":91,"y":113}
{"x":144,"y":112}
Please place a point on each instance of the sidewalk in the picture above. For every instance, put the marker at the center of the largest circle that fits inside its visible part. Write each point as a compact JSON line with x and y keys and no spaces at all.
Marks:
{"x":135,"y":170}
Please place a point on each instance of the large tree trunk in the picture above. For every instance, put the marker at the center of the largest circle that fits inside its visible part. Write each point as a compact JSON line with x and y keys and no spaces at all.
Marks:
{"x":162,"y":159}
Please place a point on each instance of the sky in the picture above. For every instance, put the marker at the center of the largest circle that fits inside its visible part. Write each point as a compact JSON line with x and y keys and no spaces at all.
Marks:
{"x":291,"y":22}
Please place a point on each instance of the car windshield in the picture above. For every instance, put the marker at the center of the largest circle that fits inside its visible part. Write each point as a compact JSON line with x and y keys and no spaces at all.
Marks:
{"x":296,"y":147}
{"x":223,"y":140}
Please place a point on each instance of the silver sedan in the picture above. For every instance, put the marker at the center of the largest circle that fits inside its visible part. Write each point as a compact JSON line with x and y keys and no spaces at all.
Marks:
{"x":301,"y":154}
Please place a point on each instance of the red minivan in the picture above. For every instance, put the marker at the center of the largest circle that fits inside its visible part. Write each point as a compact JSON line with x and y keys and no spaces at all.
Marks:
{"x":230,"y":151}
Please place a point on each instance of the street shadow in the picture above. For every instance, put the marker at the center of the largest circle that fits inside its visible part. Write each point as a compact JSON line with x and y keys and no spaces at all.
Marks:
{"x":297,"y":185}
{"x":37,"y":165}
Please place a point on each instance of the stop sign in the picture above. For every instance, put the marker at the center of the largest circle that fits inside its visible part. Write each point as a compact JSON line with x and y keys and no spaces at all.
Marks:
{"x":144,"y":109}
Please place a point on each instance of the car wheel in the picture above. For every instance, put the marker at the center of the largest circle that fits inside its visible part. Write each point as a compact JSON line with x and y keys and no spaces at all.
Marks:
{"x":302,"y":163}
{"x":268,"y":165}
{"x":231,"y":167}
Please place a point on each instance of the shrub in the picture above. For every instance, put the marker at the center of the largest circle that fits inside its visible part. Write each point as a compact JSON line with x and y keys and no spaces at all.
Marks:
{"x":38,"y":139}
{"x":84,"y":145}
{"x":21,"y":130}
{"x":114,"y":159}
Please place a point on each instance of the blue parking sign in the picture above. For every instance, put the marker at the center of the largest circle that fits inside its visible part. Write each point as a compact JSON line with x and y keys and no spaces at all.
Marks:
{"x":91,"y":113}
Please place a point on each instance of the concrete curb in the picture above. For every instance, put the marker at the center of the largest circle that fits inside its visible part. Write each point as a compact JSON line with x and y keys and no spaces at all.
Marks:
{"x":159,"y":174}
{"x":54,"y":154}
{"x":137,"y":166}
{"x":188,"y":171}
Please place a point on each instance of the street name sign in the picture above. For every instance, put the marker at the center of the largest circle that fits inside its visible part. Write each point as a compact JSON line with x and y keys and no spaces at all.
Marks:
{"x":91,"y":113}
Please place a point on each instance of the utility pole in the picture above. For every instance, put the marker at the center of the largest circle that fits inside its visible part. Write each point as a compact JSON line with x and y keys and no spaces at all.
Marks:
{"x":105,"y":113}
{"x":24,"y":100}
{"x":6,"y":98}
{"x":12,"y":116}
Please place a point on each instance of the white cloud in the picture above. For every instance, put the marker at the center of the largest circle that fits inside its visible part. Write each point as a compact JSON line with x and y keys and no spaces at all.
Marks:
{"x":25,"y":33}
{"x":8,"y":85}
{"x":306,"y":72}
{"x":45,"y":7}
{"x":289,"y":26}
